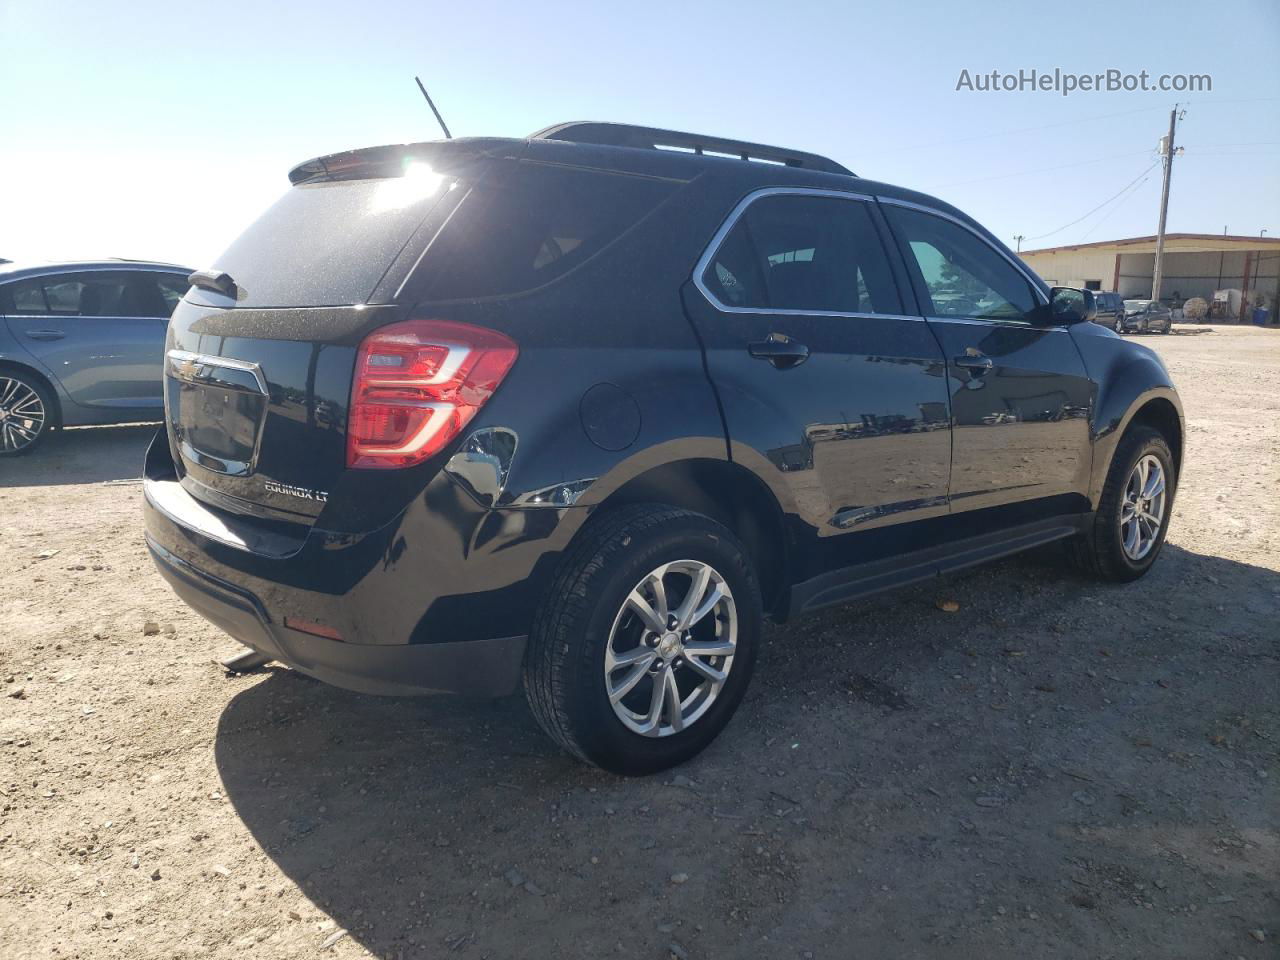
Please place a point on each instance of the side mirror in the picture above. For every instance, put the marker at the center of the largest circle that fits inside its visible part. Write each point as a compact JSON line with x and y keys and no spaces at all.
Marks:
{"x":1071,"y":305}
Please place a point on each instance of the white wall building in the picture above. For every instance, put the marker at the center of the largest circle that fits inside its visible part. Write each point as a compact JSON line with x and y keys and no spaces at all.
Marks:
{"x":1195,"y":265}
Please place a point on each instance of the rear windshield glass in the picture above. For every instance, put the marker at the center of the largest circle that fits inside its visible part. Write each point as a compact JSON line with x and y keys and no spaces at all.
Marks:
{"x":328,"y":244}
{"x":529,"y":223}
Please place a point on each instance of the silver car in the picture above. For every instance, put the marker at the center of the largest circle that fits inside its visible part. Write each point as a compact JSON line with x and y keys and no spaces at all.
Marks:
{"x":82,"y":343}
{"x":1145,"y":316}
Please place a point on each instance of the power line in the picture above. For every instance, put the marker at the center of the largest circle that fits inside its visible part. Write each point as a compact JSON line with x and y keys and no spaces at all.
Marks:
{"x":1099,"y":206}
{"x":1014,"y":133}
{"x":1063,"y":123}
{"x":1027,"y":173}
{"x":1107,"y":216}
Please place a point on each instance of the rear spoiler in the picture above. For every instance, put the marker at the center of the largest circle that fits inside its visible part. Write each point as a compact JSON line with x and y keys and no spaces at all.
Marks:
{"x":369,"y":163}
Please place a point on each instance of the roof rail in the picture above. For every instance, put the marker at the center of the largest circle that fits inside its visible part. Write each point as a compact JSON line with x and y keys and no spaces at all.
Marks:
{"x":652,"y":138}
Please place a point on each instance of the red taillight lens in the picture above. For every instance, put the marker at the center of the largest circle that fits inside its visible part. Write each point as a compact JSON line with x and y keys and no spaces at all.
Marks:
{"x":417,"y":384}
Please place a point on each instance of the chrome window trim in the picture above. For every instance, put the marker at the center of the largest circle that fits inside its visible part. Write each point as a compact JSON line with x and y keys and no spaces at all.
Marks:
{"x":986,"y":321}
{"x":704,"y":261}
{"x":1012,"y":261}
{"x":55,"y":270}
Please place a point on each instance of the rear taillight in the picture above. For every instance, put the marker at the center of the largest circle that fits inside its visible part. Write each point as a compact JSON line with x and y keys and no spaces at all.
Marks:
{"x":417,"y":384}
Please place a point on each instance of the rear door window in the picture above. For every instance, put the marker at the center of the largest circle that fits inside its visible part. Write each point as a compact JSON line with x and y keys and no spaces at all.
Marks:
{"x":103,"y":293}
{"x":806,"y":253}
{"x":530,"y":223}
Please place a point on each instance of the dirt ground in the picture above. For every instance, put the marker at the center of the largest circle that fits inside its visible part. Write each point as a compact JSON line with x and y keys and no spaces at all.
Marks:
{"x":1059,"y":769}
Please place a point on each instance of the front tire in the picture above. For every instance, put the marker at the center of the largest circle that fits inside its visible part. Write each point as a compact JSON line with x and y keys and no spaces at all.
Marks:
{"x":1119,"y":327}
{"x":26,"y":413}
{"x":1132,"y":518}
{"x":645,"y":645}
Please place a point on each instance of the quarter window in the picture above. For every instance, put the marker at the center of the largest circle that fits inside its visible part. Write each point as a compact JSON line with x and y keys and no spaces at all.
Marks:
{"x":530,"y":223}
{"x":963,"y":275}
{"x":800,"y":252}
{"x":24,"y":297}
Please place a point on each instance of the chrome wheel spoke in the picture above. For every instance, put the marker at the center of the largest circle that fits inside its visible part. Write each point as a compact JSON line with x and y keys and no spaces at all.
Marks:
{"x":653,"y":720}
{"x":648,"y":614}
{"x":615,"y":661}
{"x":1131,"y":538}
{"x":709,"y":648}
{"x":704,"y":669}
{"x":630,"y":680}
{"x":672,"y":695}
{"x":710,"y":603}
{"x":685,"y":615}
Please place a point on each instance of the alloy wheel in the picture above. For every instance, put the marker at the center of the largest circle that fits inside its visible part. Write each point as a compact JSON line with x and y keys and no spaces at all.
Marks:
{"x":22,"y":415}
{"x":671,"y":648}
{"x":1142,"y":511}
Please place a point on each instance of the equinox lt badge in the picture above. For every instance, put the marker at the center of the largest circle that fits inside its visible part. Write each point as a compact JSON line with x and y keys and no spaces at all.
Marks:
{"x":305,"y":493}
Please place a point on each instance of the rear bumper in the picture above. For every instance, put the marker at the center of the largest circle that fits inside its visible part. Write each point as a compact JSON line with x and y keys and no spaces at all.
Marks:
{"x":439,"y":600}
{"x":482,"y":668}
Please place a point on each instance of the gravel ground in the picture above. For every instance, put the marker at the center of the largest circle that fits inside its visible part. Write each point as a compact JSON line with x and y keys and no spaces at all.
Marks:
{"x":1058,"y":769}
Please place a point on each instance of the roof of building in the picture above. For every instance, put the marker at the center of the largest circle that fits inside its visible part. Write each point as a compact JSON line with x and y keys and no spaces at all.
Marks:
{"x":1183,"y":241}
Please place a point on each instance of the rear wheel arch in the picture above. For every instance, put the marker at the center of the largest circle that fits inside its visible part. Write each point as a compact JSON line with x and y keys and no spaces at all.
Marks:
{"x":729,"y":494}
{"x":45,"y":382}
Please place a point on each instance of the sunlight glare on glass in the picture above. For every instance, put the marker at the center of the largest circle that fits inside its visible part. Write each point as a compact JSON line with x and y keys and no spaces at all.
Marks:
{"x":416,"y":183}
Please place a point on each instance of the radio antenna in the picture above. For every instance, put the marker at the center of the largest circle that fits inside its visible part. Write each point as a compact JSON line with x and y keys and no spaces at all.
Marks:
{"x":439,"y":119}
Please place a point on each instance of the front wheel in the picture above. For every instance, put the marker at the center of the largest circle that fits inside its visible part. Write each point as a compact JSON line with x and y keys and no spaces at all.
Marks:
{"x":1132,"y":519}
{"x":1119,"y":328}
{"x":644,"y":647}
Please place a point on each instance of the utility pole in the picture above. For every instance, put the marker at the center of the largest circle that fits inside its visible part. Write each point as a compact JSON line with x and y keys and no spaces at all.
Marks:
{"x":1019,"y":238}
{"x":1167,"y":149}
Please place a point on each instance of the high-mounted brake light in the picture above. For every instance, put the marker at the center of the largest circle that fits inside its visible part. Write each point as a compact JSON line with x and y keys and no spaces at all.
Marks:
{"x":417,"y":384}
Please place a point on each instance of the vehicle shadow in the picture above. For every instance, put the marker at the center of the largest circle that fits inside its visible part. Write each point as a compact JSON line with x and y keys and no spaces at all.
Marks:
{"x":424,"y":826}
{"x":81,"y":455}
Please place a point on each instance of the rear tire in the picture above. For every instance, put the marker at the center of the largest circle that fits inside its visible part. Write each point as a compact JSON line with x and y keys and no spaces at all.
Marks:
{"x":591,"y":619}
{"x":26,"y":412}
{"x":1109,"y":550}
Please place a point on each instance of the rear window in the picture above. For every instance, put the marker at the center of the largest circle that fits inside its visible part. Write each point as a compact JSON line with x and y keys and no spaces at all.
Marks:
{"x":328,"y":244}
{"x":531,"y":223}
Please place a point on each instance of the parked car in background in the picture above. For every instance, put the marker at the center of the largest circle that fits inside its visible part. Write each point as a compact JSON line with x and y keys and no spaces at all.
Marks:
{"x":1110,"y":307}
{"x":82,"y":343}
{"x":1146,"y":316}
{"x":593,"y":408}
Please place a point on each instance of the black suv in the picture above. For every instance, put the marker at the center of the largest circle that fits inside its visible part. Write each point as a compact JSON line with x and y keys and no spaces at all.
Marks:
{"x":1110,"y":307}
{"x":584,"y":408}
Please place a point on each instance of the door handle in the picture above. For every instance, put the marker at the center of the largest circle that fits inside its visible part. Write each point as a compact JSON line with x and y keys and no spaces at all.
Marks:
{"x":780,"y":350}
{"x":45,"y":334}
{"x":977,"y":363}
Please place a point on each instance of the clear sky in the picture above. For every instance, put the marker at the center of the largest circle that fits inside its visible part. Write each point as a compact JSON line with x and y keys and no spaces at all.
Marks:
{"x":159,"y":130}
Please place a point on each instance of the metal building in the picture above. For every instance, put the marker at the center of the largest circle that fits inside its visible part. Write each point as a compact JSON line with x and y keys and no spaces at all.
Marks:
{"x":1195,"y":265}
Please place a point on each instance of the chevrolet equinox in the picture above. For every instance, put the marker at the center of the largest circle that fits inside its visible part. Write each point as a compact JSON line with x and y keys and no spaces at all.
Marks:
{"x":581,"y":410}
